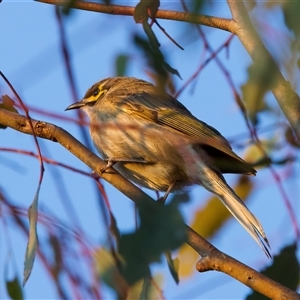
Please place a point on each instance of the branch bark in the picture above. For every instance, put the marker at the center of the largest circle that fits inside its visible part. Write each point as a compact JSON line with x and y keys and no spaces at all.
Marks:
{"x":220,"y":23}
{"x":211,"y":257}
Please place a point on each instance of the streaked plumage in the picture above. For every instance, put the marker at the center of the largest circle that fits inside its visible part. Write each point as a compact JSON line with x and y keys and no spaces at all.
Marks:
{"x":157,"y":143}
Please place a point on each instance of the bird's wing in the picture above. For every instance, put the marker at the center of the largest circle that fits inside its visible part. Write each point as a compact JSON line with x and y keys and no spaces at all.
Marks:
{"x":167,"y":111}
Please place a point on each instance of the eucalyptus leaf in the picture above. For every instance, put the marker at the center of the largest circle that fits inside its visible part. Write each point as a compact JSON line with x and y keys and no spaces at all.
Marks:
{"x":33,"y":237}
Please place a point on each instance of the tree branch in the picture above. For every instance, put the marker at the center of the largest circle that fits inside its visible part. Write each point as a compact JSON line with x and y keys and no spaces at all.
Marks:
{"x":287,"y":99}
{"x":219,"y":261}
{"x":220,"y":23}
{"x":212,"y":258}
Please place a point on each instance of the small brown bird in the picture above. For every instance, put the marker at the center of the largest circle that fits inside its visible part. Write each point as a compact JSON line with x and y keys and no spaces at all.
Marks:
{"x":154,"y":141}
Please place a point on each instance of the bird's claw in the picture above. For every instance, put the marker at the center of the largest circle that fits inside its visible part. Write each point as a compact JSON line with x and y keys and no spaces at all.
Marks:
{"x":109,"y":164}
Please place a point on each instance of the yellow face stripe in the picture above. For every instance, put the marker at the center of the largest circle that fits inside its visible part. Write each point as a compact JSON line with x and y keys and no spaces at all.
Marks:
{"x":94,"y":93}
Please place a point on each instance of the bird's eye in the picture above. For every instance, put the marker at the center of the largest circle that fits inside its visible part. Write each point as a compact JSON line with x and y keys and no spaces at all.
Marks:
{"x":96,"y":92}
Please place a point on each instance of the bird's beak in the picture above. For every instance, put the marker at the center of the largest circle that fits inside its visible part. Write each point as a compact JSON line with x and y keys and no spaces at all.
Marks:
{"x":76,"y":105}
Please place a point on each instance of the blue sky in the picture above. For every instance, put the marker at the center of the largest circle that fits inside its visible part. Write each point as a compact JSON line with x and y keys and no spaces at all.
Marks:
{"x":32,"y":60}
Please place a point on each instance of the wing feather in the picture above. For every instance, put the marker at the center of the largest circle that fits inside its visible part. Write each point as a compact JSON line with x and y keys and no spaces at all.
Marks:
{"x":163,"y":109}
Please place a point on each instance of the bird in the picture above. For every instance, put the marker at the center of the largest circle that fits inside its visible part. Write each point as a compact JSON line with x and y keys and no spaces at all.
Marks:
{"x":153,"y":140}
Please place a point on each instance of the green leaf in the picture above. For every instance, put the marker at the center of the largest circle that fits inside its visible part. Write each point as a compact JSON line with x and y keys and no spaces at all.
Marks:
{"x":106,"y":267}
{"x":259,"y":155}
{"x":161,"y":229}
{"x":285,"y":270}
{"x":197,"y":6}
{"x":155,"y":57}
{"x":113,"y":228}
{"x":173,"y":265}
{"x":171,"y":70}
{"x":14,"y":289}
{"x":145,"y":9}
{"x":140,"y":13}
{"x":66,"y":9}
{"x":152,"y":6}
{"x":154,"y":43}
{"x":260,"y":81}
{"x":33,"y":237}
{"x":54,"y":245}
{"x":291,"y":11}
{"x":121,"y":64}
{"x":147,"y":288}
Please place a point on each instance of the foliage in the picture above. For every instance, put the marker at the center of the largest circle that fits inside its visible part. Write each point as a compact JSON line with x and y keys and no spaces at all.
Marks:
{"x":123,"y":260}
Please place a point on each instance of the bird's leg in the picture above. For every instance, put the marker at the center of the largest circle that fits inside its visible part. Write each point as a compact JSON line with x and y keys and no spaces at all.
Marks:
{"x":109,"y":163}
{"x":113,"y":160}
{"x":164,"y":198}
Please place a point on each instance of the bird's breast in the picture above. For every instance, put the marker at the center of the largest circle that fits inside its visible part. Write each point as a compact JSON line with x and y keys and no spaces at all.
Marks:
{"x":159,"y":163}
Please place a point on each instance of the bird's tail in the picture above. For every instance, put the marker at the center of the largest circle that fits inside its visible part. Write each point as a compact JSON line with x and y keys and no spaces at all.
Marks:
{"x":215,"y":182}
{"x":200,"y":171}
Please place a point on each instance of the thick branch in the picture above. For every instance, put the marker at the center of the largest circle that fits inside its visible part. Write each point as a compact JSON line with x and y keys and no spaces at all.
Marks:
{"x":288,"y":100}
{"x":221,"y":23}
{"x":219,"y":261}
{"x":212,"y":258}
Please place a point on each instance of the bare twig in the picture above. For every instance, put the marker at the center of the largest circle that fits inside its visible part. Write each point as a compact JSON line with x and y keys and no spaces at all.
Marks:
{"x":24,"y":107}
